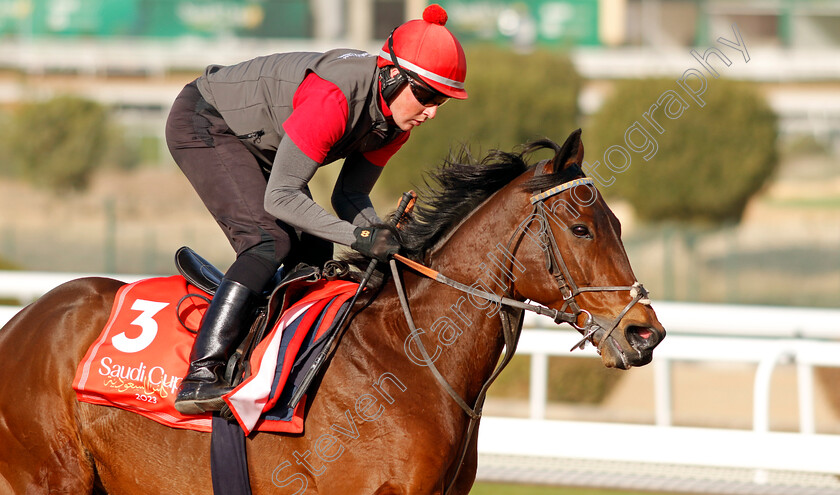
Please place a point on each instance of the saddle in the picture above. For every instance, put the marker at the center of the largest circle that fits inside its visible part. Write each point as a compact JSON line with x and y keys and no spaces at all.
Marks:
{"x":284,"y":290}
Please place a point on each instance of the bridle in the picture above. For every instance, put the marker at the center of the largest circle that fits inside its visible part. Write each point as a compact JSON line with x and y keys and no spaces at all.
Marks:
{"x":511,"y":310}
{"x":556,"y":266}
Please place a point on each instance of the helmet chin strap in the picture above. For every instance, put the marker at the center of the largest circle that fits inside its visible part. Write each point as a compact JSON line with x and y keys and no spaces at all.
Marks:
{"x":390,"y":85}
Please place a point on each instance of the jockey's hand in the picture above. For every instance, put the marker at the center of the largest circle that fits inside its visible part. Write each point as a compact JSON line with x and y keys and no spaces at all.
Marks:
{"x":376,"y":242}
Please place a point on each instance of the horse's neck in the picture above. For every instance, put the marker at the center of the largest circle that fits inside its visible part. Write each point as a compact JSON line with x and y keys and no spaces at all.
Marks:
{"x":473,"y":255}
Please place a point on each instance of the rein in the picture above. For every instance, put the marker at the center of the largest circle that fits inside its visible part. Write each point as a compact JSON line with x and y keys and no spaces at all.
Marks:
{"x":511,"y":332}
{"x":512,"y":311}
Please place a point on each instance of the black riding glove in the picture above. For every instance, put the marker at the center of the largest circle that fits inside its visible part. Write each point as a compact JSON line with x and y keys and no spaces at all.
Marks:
{"x":375,"y":242}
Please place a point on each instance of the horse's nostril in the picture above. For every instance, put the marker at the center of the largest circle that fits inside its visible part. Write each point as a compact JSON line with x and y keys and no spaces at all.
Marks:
{"x":641,"y":337}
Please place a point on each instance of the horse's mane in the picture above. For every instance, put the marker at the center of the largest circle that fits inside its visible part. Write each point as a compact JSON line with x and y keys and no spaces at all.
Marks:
{"x":452,"y":191}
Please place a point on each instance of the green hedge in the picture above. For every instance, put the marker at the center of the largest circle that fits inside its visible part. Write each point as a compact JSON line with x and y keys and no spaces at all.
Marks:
{"x":57,"y":143}
{"x":513,"y":98}
{"x":674,"y":159}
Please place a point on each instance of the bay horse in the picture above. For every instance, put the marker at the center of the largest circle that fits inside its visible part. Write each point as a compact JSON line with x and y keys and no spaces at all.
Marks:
{"x":380,"y":423}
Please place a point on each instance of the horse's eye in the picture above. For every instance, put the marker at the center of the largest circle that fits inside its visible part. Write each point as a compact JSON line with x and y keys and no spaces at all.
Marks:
{"x":581,"y":231}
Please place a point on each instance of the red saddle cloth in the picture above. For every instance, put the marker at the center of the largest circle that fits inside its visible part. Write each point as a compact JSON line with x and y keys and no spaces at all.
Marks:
{"x":142,"y":354}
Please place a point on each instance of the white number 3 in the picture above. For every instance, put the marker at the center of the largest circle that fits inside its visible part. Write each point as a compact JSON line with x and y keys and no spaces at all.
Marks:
{"x":146,"y":322}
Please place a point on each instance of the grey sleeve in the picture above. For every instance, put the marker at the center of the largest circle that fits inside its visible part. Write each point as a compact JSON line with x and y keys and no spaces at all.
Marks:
{"x":287,"y":198}
{"x":351,"y":195}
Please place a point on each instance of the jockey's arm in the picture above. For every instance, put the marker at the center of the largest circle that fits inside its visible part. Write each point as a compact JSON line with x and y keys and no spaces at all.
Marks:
{"x":287,"y":196}
{"x":351,"y":195}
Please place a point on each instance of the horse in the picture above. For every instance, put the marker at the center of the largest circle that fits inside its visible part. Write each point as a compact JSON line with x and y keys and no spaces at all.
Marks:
{"x":381,"y":422}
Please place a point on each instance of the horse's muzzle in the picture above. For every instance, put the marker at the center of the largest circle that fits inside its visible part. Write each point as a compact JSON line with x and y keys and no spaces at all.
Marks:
{"x":628,"y":345}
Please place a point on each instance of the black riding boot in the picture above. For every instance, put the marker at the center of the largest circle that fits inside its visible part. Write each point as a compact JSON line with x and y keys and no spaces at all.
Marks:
{"x":222,"y":327}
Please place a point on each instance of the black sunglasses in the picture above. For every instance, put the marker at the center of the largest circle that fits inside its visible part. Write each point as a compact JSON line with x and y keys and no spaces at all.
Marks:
{"x":425,"y":94}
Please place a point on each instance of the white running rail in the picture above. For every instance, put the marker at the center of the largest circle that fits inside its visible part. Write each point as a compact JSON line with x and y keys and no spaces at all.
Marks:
{"x":765,"y":336}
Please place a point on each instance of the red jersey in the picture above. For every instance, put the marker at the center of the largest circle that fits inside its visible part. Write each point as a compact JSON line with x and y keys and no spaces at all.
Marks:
{"x":319,"y":119}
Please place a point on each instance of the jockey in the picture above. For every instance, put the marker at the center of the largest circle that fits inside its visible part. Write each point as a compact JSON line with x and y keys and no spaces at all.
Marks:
{"x":250,"y":136}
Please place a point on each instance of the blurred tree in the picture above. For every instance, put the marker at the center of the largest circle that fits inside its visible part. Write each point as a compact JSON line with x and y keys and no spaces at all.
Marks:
{"x":57,"y":143}
{"x":126,"y":150}
{"x":707,"y":162}
{"x":513,"y":98}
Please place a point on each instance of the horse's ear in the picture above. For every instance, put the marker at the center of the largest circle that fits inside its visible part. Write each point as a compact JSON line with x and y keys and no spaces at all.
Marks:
{"x":571,"y":152}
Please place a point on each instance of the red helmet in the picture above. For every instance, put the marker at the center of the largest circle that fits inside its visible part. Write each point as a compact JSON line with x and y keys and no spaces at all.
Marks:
{"x":428,"y":50}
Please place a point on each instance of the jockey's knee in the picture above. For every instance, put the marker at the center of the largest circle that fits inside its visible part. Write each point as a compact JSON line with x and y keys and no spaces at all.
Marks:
{"x":256,"y":265}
